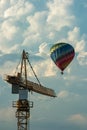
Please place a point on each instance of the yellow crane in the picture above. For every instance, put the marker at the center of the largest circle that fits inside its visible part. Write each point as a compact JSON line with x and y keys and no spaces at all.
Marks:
{"x":21,"y":86}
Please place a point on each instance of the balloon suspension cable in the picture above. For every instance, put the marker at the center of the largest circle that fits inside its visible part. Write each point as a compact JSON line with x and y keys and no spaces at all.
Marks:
{"x":32,"y":68}
{"x":62,"y":72}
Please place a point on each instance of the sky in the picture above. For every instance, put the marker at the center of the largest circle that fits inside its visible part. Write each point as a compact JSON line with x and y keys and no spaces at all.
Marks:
{"x":36,"y":25}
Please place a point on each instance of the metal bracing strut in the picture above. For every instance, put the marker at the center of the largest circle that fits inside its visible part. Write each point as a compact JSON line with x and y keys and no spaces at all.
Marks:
{"x":22,"y":113}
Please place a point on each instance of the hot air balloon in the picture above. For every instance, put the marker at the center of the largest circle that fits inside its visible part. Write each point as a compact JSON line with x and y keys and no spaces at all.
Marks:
{"x":62,"y":54}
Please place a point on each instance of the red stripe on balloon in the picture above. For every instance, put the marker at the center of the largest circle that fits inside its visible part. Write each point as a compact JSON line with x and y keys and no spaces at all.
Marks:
{"x":63,"y":63}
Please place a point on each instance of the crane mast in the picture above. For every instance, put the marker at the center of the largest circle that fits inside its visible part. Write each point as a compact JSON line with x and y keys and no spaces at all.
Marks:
{"x":21,"y":85}
{"x":23,"y":105}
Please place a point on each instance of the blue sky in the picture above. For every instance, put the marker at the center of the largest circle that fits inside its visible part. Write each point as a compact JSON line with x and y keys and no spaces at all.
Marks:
{"x":36,"y":25}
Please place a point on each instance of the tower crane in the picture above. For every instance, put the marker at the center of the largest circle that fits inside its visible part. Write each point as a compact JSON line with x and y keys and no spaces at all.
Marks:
{"x":21,"y":85}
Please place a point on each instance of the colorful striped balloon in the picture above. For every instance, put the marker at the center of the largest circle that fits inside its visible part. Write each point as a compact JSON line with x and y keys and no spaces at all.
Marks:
{"x":62,"y":54}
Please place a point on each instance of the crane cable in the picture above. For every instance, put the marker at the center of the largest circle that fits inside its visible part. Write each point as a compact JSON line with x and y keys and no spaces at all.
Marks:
{"x":32,"y":68}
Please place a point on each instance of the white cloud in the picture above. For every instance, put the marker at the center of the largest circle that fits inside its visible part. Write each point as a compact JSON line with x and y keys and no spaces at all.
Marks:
{"x":4,"y":4}
{"x":80,"y":46}
{"x":73,"y":35}
{"x":33,"y":38}
{"x":37,"y":30}
{"x":78,"y":119}
{"x":51,"y":35}
{"x":82,"y":58}
{"x":18,"y":9}
{"x":77,"y":40}
{"x":41,"y":27}
{"x":59,"y":14}
{"x":8,"y":29}
{"x":64,"y":94}
{"x":44,"y":50}
{"x":8,"y":67}
{"x":8,"y":36}
{"x":37,"y":24}
{"x":79,"y":43}
{"x":7,"y":114}
{"x":45,"y":68}
{"x":13,"y":24}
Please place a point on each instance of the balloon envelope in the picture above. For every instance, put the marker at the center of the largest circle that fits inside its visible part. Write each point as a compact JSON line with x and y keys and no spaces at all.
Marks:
{"x":62,"y":54}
